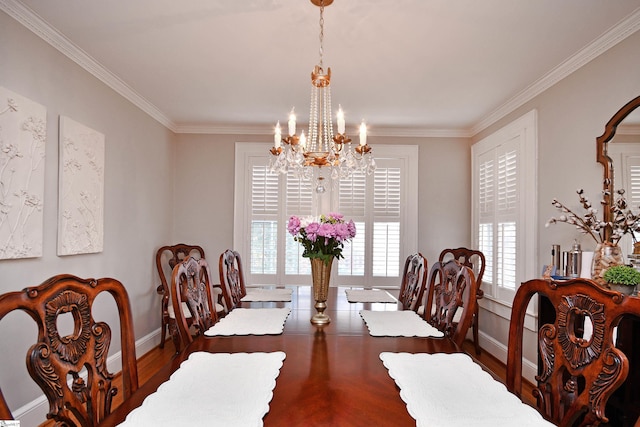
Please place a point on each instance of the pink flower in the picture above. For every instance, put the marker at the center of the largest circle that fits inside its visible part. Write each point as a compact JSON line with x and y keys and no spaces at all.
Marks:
{"x":326,"y":230}
{"x":322,"y":237}
{"x":312,"y":231}
{"x":342,"y":232}
{"x":294,"y":225}
{"x":352,"y":229}
{"x":335,"y":216}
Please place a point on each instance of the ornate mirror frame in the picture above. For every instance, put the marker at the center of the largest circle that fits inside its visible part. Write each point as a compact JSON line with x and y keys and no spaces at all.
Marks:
{"x":602,"y":157}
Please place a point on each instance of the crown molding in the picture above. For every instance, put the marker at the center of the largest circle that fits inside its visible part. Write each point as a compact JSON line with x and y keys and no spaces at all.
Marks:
{"x":46,"y":32}
{"x":418,"y":132}
{"x":264,"y":129}
{"x":610,"y":38}
{"x":41,"y":28}
{"x":224,"y":129}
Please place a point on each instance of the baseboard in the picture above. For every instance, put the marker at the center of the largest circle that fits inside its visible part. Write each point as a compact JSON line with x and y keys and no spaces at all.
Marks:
{"x":34,"y":413}
{"x":499,"y":351}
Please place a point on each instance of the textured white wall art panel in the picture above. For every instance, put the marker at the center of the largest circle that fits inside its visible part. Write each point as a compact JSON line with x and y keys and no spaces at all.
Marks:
{"x":81,"y":193}
{"x":23,"y":127}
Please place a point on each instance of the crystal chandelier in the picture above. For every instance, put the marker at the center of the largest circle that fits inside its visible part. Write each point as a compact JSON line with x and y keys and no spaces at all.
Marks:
{"x":320,"y":148}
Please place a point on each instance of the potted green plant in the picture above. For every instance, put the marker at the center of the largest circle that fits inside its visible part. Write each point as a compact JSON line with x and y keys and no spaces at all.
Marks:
{"x":622,"y":278}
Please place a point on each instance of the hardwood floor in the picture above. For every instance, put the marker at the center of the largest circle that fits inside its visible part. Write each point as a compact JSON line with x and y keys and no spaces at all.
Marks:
{"x":149,"y":364}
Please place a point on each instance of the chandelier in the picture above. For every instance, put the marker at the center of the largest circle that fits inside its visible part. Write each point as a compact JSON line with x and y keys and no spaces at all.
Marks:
{"x":320,"y":148}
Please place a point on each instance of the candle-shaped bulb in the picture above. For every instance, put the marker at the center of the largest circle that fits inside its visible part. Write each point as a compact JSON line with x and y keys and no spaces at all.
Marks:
{"x":292,"y":123}
{"x":363,"y":133}
{"x":277,"y":138}
{"x":303,"y":140}
{"x":340,"y":120}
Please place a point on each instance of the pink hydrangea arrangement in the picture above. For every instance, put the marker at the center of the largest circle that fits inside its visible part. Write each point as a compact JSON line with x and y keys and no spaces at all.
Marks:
{"x":322,"y":237}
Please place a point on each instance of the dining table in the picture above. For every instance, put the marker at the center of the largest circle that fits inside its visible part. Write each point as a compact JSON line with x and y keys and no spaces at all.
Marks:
{"x":332,"y":374}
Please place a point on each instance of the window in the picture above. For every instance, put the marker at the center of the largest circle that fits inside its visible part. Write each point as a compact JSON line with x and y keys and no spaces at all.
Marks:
{"x":504,"y":206}
{"x":383,"y":206}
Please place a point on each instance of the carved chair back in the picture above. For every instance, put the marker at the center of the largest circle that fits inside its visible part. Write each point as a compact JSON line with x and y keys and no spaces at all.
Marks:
{"x":190,"y":284}
{"x":579,"y":371}
{"x":414,"y":279}
{"x":470,"y":258}
{"x":54,"y":359}
{"x":476,"y":261}
{"x":451,"y":287}
{"x":167,"y":257}
{"x":231,"y":278}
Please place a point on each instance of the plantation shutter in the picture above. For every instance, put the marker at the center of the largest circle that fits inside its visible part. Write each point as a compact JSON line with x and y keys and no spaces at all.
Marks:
{"x":264,"y":220}
{"x":507,"y":215}
{"x":352,"y":203}
{"x":374,"y":204}
{"x":386,"y":221}
{"x":633,"y":187}
{"x":486,"y":209}
{"x":298,"y":202}
{"x":352,"y":196}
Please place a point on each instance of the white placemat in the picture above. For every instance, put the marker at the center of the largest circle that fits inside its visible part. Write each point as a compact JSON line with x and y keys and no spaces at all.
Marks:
{"x":276,"y":295}
{"x":450,"y":390}
{"x":251,"y":321}
{"x":213,"y":389}
{"x":398,"y":324}
{"x":369,"y":295}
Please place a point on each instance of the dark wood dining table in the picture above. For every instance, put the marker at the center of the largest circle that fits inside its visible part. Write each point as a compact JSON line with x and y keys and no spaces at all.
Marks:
{"x":332,"y":375}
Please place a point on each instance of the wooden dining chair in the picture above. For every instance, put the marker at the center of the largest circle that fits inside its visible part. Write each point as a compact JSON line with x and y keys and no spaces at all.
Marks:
{"x":578,"y":372}
{"x":451,"y":287}
{"x":191,"y":286}
{"x":414,"y":279}
{"x":476,"y":261}
{"x":167,"y":257}
{"x":56,"y":363}
{"x":231,"y":278}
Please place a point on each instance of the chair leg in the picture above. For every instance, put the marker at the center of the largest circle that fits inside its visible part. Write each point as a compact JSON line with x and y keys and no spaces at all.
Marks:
{"x":175,"y":335}
{"x":163,"y":332}
{"x":476,"y":342}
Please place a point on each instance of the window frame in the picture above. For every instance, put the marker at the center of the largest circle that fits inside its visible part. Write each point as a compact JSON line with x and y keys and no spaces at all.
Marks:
{"x":524,"y":131}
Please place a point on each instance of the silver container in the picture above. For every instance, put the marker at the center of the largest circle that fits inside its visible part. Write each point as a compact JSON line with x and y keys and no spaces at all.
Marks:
{"x":556,"y":257}
{"x":574,"y":261}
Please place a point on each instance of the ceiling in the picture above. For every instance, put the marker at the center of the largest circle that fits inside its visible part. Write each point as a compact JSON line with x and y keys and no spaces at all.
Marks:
{"x":408,"y":67}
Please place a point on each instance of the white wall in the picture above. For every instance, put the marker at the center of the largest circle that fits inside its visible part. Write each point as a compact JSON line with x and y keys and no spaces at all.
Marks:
{"x":203,"y":201}
{"x":139,"y":181}
{"x":571,"y":115}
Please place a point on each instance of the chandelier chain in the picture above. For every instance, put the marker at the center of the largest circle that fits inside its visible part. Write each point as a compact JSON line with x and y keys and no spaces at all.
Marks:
{"x":321,"y":50}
